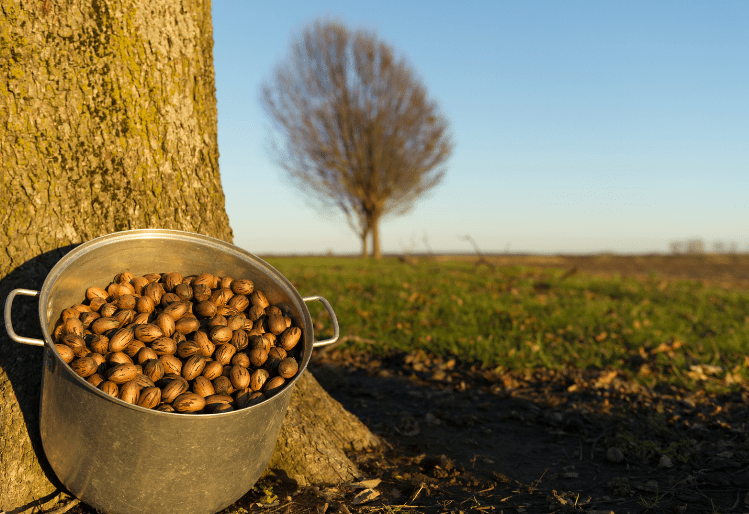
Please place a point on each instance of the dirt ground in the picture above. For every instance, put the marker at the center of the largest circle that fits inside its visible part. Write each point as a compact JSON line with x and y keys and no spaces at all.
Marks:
{"x":725,"y":270}
{"x":462,"y":440}
{"x":458,"y":439}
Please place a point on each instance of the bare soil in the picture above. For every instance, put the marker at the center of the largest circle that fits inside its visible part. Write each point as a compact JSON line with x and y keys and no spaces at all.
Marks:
{"x":725,"y":270}
{"x":459,"y":439}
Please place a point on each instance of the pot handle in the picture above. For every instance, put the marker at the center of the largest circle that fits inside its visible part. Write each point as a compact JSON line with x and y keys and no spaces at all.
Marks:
{"x":9,"y":325}
{"x":333,"y":318}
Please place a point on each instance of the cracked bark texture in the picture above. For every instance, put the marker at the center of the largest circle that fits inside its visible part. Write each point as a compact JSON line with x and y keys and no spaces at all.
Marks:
{"x":108,"y":122}
{"x":316,"y":434}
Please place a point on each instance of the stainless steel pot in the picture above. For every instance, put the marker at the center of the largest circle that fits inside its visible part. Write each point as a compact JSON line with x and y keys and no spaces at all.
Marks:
{"x":121,"y":458}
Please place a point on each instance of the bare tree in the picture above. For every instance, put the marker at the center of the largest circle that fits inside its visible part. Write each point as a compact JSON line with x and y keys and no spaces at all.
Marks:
{"x":695,"y":246}
{"x":357,"y":129}
{"x":677,"y":247}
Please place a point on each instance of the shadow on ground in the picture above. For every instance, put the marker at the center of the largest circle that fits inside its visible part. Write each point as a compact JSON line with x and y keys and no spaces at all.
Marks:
{"x":543,"y":441}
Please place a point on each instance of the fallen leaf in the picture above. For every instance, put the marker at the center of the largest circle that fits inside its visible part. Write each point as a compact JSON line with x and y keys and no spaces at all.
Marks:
{"x":707,"y":369}
{"x":367,"y":484}
{"x":367,"y":495}
{"x":605,"y":379}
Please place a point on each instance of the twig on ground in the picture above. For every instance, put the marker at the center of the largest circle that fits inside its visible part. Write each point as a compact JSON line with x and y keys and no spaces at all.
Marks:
{"x":66,"y":507}
{"x":461,"y":434}
{"x":738,"y":472}
{"x":536,"y":482}
{"x":421,"y":486}
{"x":733,"y":507}
{"x":414,"y":506}
{"x":595,"y":442}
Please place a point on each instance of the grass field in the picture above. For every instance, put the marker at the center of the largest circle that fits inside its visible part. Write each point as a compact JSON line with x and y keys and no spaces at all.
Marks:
{"x":658,"y":331}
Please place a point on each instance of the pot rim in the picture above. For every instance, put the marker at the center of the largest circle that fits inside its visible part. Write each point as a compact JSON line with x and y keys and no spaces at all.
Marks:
{"x":169,"y":234}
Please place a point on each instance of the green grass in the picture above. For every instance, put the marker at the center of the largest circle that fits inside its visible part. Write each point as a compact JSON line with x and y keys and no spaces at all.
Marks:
{"x":517,"y":317}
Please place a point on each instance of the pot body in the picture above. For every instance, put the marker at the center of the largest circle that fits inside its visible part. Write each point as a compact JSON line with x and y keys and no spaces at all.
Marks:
{"x":121,"y":458}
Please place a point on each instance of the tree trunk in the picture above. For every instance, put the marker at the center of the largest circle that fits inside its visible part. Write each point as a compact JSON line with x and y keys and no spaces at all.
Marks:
{"x":310,"y":447}
{"x":376,"y":251}
{"x":108,"y":123}
{"x":364,"y":249}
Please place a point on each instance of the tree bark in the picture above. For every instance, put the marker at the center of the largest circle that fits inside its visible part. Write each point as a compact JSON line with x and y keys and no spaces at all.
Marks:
{"x":108,"y":123}
{"x":376,"y":250}
{"x":311,"y":448}
{"x":364,"y":249}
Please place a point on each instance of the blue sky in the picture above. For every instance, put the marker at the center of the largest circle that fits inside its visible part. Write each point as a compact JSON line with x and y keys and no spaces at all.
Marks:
{"x":579,"y":127}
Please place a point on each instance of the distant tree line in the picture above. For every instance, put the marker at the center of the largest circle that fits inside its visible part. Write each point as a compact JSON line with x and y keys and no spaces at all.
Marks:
{"x":696,"y":246}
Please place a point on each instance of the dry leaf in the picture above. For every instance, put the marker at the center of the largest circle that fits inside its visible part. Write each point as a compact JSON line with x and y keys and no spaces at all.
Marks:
{"x":367,"y":495}
{"x":367,"y":484}
{"x":605,"y":379}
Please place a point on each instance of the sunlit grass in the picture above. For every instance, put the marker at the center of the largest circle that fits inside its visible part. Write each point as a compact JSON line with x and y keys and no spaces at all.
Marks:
{"x":517,"y":317}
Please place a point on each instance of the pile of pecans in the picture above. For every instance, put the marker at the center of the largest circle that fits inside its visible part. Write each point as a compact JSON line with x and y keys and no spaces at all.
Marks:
{"x":194,"y":344}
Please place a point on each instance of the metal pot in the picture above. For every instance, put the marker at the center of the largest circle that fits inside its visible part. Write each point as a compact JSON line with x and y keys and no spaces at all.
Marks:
{"x":121,"y":458}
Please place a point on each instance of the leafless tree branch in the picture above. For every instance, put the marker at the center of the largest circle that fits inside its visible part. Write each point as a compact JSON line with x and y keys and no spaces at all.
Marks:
{"x":482,"y":259}
{"x":359,"y":133}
